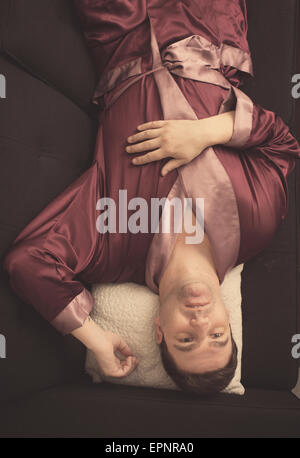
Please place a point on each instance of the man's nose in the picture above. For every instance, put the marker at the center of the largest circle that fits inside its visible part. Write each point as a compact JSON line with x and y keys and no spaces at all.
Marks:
{"x":200,"y":319}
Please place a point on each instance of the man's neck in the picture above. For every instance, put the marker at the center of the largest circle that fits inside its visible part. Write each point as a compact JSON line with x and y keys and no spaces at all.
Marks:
{"x":189,"y":263}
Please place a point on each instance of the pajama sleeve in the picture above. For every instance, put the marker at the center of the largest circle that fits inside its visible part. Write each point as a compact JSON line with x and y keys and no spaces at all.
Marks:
{"x":255,"y":128}
{"x":53,"y":249}
{"x":259,"y":129}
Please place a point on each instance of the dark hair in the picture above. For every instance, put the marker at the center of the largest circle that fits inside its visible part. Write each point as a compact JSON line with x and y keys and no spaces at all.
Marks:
{"x":207,"y":383}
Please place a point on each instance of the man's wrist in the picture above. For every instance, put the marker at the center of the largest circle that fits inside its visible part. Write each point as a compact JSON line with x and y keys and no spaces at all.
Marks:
{"x":218,"y":129}
{"x":89,"y":334}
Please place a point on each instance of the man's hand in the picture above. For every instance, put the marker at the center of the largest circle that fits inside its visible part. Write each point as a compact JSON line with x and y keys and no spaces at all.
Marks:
{"x":104,"y":345}
{"x":181,"y":140}
{"x":109,"y":363}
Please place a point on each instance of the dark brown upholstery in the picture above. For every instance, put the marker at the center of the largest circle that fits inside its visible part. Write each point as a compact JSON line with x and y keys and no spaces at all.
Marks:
{"x":47,"y":134}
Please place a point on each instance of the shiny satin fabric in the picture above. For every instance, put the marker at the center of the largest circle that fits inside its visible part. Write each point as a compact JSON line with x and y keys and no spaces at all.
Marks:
{"x":117,"y":31}
{"x":193,"y":57}
{"x":244,"y":182}
{"x":205,"y":176}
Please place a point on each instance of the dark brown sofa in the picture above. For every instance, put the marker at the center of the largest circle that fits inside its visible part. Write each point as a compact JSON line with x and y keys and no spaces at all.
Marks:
{"x":47,"y":134}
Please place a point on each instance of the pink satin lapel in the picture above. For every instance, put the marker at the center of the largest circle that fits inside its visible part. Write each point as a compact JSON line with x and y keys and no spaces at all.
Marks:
{"x":204,"y":177}
{"x":196,"y":58}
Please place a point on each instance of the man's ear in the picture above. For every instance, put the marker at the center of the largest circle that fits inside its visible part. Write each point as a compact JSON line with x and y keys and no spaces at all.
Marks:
{"x":158,"y":331}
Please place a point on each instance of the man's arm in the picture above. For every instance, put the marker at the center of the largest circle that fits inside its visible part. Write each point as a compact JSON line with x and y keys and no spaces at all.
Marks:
{"x":219,"y":128}
{"x":104,"y":345}
{"x":257,"y":127}
{"x":46,"y":258}
{"x":90,"y":334}
{"x":248,"y":126}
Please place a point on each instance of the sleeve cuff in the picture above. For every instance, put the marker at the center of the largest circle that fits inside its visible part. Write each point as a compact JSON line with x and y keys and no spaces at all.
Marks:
{"x":75,"y":313}
{"x":243,"y":120}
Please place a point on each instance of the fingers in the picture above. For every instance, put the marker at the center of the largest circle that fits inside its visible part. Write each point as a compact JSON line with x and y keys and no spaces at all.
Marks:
{"x":149,"y":157}
{"x":171,"y":165}
{"x":126,"y":366}
{"x":144,"y":135}
{"x":152,"y":124}
{"x":124,"y":348}
{"x":129,"y":364}
{"x":143,"y":146}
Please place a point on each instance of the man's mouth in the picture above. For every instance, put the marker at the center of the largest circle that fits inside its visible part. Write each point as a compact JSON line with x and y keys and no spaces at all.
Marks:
{"x":199,"y":306}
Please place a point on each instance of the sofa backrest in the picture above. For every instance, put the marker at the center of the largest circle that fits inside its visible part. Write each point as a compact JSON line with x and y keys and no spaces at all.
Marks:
{"x":47,"y":136}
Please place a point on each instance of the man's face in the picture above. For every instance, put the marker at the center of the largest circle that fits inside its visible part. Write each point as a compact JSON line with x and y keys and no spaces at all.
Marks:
{"x":195,"y":326}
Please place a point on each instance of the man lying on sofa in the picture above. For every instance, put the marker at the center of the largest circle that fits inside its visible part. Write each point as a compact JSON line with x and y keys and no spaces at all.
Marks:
{"x":67,"y":242}
{"x":192,"y":84}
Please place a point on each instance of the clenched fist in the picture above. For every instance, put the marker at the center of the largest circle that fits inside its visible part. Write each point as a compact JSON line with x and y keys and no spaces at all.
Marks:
{"x":109,"y":363}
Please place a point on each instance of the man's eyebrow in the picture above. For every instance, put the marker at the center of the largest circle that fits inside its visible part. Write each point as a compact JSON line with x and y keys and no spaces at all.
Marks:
{"x":185,"y":348}
{"x":211,"y":344}
{"x":219,"y":343}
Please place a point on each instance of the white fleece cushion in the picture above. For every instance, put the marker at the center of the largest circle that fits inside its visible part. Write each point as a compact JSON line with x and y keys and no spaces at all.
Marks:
{"x":129,"y":309}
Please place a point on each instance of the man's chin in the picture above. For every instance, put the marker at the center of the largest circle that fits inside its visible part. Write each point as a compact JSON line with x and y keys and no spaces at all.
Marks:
{"x":195,"y":293}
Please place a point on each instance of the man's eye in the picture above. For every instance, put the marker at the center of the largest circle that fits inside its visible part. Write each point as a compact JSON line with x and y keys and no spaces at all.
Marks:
{"x":186,"y":339}
{"x":216,"y":335}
